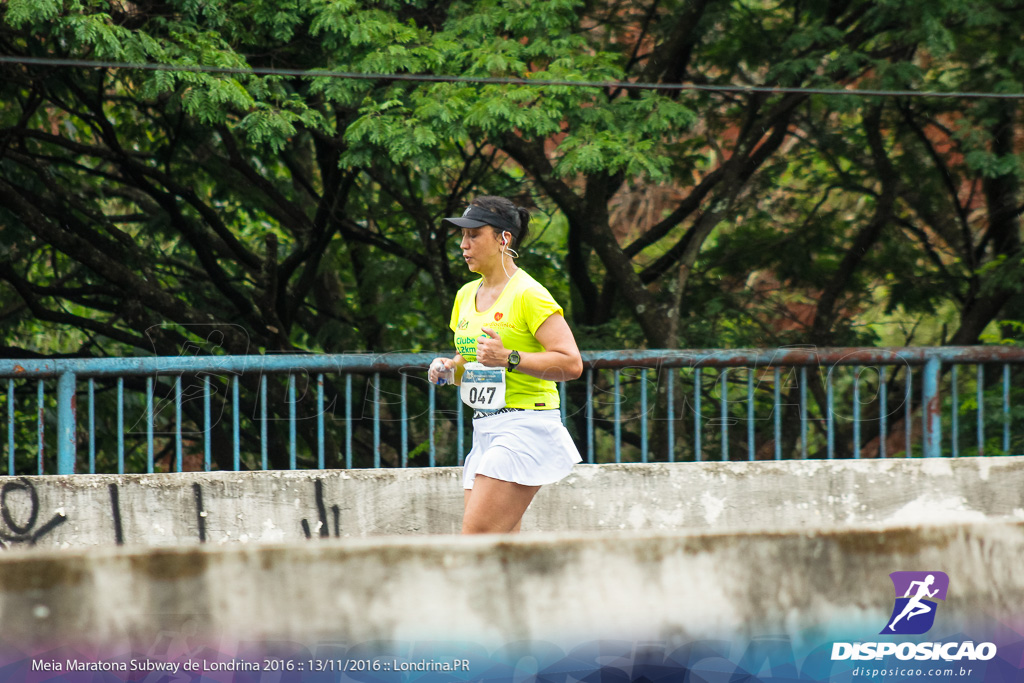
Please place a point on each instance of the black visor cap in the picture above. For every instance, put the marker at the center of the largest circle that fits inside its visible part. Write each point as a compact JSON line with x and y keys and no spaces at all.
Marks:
{"x":475,"y":217}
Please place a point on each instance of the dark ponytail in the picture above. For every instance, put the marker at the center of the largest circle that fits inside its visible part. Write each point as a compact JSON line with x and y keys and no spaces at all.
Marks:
{"x":524,"y":227}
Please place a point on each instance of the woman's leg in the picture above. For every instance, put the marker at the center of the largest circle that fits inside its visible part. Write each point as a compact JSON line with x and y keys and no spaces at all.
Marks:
{"x":494,"y":506}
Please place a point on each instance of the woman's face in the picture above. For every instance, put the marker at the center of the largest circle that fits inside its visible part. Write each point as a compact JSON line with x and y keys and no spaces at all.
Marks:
{"x":480,"y":246}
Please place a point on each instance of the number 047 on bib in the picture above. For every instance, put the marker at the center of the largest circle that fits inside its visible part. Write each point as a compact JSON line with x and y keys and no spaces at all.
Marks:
{"x":483,"y":388}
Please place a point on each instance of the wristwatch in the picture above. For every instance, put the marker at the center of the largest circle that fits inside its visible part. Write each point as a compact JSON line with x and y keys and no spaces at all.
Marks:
{"x":513,"y":360}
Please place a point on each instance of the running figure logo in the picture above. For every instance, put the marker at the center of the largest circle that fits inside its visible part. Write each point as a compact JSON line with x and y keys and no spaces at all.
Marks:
{"x":914,"y":612}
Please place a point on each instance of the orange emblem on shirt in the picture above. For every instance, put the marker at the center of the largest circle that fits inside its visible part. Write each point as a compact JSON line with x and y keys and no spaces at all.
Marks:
{"x":497,"y":316}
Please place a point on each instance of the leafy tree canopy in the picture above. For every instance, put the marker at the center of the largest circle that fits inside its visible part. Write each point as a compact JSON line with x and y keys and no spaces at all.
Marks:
{"x":299,"y":207}
{"x":144,"y":210}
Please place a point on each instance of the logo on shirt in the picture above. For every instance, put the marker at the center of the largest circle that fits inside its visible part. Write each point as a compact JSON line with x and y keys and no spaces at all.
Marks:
{"x":498,"y":316}
{"x":463,"y":324}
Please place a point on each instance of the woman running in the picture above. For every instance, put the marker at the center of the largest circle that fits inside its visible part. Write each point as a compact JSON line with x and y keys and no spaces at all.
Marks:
{"x":512,"y":333}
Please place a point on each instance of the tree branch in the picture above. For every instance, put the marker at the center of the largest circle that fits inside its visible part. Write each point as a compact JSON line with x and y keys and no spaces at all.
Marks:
{"x":151,"y":295}
{"x":825,"y":312}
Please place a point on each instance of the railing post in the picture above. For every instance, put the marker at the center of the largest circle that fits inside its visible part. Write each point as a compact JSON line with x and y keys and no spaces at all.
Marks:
{"x":931,"y":409}
{"x":67,"y":437}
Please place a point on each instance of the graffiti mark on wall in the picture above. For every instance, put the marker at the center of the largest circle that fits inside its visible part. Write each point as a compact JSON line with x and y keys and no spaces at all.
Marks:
{"x":116,"y":517}
{"x":21,"y":528}
{"x":129,"y":519}
{"x":197,"y":493}
{"x":321,"y":509}
{"x":115,"y":511}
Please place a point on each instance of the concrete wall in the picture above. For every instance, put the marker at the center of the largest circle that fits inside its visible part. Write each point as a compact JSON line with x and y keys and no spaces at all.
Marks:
{"x":228,"y":507}
{"x":672,"y":588}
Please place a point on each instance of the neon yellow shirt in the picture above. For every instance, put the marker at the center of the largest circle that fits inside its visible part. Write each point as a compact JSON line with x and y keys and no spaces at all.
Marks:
{"x":516,"y":314}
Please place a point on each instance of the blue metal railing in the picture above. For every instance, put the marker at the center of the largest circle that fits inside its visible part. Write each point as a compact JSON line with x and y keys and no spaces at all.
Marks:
{"x":629,"y":407}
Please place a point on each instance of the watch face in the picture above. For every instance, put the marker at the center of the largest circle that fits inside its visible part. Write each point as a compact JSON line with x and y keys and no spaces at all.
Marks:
{"x":513,"y":358}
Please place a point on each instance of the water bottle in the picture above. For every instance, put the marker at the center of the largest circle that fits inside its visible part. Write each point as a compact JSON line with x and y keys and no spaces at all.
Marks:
{"x":444,"y":375}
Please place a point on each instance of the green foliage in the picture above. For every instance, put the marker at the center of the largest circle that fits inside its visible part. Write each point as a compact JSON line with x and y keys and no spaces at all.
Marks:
{"x":21,"y":12}
{"x":305,"y":210}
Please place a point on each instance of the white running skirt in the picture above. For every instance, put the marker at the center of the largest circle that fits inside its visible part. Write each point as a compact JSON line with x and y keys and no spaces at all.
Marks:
{"x":529,"y":447}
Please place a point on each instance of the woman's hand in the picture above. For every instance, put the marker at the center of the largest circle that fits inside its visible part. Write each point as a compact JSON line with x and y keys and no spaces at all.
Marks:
{"x":490,"y":351}
{"x":439,"y":367}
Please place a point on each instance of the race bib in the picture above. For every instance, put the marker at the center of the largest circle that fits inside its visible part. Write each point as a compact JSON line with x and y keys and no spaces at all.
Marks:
{"x":483,"y":388}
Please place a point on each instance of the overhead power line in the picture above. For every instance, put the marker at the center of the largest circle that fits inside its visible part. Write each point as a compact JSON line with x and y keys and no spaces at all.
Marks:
{"x":483,"y":80}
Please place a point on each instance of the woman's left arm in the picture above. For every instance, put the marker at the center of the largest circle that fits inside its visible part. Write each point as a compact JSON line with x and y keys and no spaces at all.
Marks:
{"x":559,"y":361}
